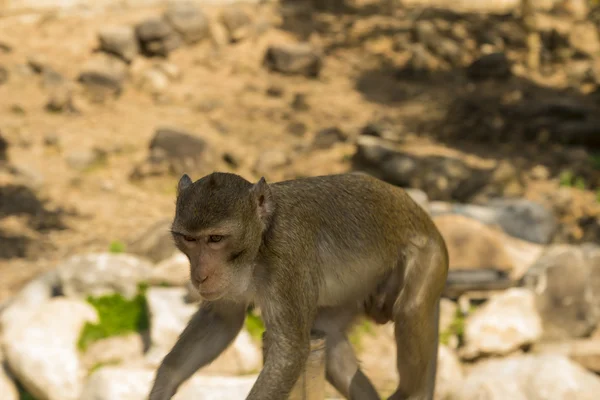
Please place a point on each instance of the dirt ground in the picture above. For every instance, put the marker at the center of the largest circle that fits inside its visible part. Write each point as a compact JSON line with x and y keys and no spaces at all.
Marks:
{"x":221,"y":96}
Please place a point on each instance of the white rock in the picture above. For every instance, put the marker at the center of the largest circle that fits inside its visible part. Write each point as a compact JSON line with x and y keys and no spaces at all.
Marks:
{"x":175,"y":270}
{"x":117,"y":349}
{"x":169,"y":315}
{"x":43,"y":354}
{"x":449,"y":374}
{"x":112,"y":383}
{"x":28,"y":301}
{"x":543,"y":377}
{"x":99,"y":274}
{"x":503,"y":324}
{"x":8,"y":389}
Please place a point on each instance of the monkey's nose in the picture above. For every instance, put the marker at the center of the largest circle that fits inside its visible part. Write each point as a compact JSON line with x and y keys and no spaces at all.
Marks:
{"x":203,"y":278}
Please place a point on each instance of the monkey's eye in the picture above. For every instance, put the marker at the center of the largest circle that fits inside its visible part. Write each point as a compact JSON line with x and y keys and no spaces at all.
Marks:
{"x":189,"y":238}
{"x":215,"y":238}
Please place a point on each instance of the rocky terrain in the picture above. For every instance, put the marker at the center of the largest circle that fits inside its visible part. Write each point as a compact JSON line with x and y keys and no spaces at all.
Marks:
{"x":100,"y":113}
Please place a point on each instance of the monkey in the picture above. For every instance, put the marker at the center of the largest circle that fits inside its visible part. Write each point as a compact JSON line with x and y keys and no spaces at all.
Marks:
{"x":313,"y":254}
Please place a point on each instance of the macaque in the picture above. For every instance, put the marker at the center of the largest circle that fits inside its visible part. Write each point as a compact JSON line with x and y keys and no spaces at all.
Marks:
{"x":313,"y":254}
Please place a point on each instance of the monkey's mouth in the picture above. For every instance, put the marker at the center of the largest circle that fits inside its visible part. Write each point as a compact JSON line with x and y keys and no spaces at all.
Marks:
{"x":210,"y":295}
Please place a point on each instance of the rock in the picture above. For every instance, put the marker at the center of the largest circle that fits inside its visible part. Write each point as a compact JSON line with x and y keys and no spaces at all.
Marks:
{"x":505,"y":323}
{"x":8,"y":389}
{"x":520,"y":218}
{"x":275,"y":91}
{"x":43,"y":354}
{"x":154,"y":243}
{"x":525,"y":219}
{"x":585,"y":352}
{"x":473,"y":245}
{"x":173,"y":271}
{"x":450,"y":51}
{"x":113,"y":350}
{"x":420,"y":64}
{"x":85,"y":159}
{"x":540,"y":377}
{"x":584,"y":38}
{"x":300,"y":103}
{"x":442,"y":178}
{"x":294,"y":59}
{"x":448,"y":310}
{"x":61,"y":100}
{"x":3,"y":75}
{"x":173,"y":151}
{"x":328,"y":137}
{"x":490,"y":66}
{"x":237,"y":23}
{"x":170,"y":314}
{"x":420,"y":197}
{"x":28,"y":301}
{"x":188,"y":20}
{"x":565,"y":281}
{"x":269,"y":160}
{"x":297,"y":128}
{"x":98,"y":274}
{"x":104,"y":73}
{"x":157,"y":37}
{"x":449,"y":374}
{"x":153,"y":80}
{"x":120,"y":41}
{"x":111,"y":383}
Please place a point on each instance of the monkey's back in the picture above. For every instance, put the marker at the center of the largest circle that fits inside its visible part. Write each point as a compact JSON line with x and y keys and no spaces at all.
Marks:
{"x":346,"y":222}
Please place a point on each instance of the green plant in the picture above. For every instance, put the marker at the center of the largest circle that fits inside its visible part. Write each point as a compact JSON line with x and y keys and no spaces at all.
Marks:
{"x":116,"y":247}
{"x":457,"y":327}
{"x":567,"y":178}
{"x":359,"y":330}
{"x":117,"y":316}
{"x":254,"y":325}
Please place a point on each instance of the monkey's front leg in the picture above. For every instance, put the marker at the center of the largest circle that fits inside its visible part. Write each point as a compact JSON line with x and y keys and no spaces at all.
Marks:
{"x":214,"y":326}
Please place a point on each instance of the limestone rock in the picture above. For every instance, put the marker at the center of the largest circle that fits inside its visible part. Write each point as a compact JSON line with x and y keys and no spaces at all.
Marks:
{"x":113,"y":350}
{"x":99,"y":274}
{"x":43,"y":353}
{"x":565,"y":280}
{"x":539,"y":377}
{"x":504,"y":324}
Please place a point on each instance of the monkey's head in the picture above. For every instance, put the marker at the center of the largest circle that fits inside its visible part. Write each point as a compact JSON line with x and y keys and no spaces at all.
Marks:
{"x":219,"y":224}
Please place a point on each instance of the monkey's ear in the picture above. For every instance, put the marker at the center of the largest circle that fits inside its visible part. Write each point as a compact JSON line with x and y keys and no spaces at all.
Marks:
{"x":262,"y":195}
{"x":184,"y":182}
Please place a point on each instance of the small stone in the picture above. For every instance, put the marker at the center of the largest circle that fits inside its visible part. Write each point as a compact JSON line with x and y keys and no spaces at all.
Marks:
{"x":61,"y":100}
{"x":188,"y":20}
{"x":294,"y":59}
{"x":157,"y":37}
{"x":525,"y":219}
{"x":328,"y":137}
{"x":3,"y":148}
{"x":42,"y":353}
{"x":120,"y":41}
{"x":504,"y":324}
{"x":300,"y":103}
{"x":237,"y":22}
{"x":98,"y":274}
{"x":270,"y":160}
{"x":275,"y":91}
{"x":153,"y":81}
{"x":104,"y":72}
{"x":85,"y":159}
{"x":297,"y":128}
{"x":51,"y":140}
{"x":490,"y":66}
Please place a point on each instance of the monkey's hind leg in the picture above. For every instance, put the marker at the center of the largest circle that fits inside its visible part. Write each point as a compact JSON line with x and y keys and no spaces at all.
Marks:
{"x":341,"y":366}
{"x":416,"y":320}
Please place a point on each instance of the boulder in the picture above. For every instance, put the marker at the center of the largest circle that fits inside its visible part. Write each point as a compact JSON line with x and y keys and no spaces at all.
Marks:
{"x":585,"y":352}
{"x":529,"y":377}
{"x":111,"y":383}
{"x":505,"y":323}
{"x":99,"y":274}
{"x":154,"y":243}
{"x":565,"y":280}
{"x":43,"y":352}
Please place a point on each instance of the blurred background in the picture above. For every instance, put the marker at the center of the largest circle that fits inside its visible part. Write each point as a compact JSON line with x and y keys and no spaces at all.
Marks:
{"x":486,"y":111}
